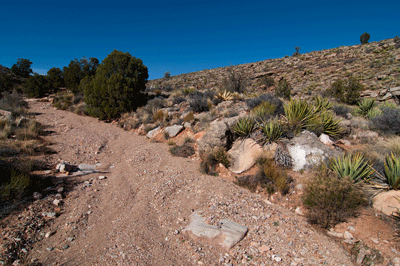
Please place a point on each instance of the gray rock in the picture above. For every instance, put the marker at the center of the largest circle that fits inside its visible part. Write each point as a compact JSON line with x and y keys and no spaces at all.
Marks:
{"x":306,"y":151}
{"x":216,"y":136}
{"x":187,"y":125}
{"x":37,"y":195}
{"x":361,"y":256}
{"x":153,"y":133}
{"x":56,"y":202}
{"x":204,"y":117}
{"x":49,"y":214}
{"x":244,"y":154}
{"x":87,"y":168}
{"x":5,"y":114}
{"x":64,"y":167}
{"x":228,"y":234}
{"x":173,"y":130}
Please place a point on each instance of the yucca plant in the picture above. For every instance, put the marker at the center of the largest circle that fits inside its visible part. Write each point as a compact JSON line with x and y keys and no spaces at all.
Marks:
{"x":262,"y":111}
{"x":374,"y":112}
{"x":352,"y":166}
{"x":365,"y":106}
{"x":298,"y":113}
{"x":244,"y":126}
{"x":392,"y":171}
{"x":224,"y":95}
{"x":322,"y":104}
{"x":272,"y":130}
{"x":330,"y":124}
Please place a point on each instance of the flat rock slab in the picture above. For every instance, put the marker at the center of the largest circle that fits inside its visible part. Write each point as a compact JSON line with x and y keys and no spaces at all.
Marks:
{"x":87,"y":168}
{"x":227,"y":234}
{"x":173,"y":130}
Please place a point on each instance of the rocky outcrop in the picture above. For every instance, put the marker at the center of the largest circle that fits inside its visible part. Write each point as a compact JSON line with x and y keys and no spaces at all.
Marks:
{"x":154,"y":132}
{"x":244,"y":154}
{"x":307,"y":150}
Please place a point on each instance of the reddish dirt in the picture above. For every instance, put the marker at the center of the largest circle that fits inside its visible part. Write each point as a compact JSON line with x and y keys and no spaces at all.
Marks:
{"x":136,"y":214}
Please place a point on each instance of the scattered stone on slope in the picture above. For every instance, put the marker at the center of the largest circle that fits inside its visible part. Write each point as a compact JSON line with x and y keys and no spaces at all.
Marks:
{"x":307,"y":150}
{"x":218,"y":135}
{"x":244,"y":154}
{"x":87,"y":168}
{"x":227,"y":234}
{"x":173,"y":130}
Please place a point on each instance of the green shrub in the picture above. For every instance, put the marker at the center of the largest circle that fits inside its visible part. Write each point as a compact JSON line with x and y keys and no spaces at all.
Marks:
{"x":244,"y":126}
{"x":364,"y":38}
{"x":268,"y":81}
{"x":388,"y":122}
{"x":352,"y":166}
{"x":272,"y":130}
{"x":392,"y":171}
{"x":347,"y":92}
{"x":365,"y":106}
{"x":14,"y":184}
{"x":36,"y":86}
{"x":236,"y":81}
{"x":341,"y":110}
{"x":331,"y":200}
{"x":263,"y":111}
{"x":116,"y":86}
{"x":283,"y":89}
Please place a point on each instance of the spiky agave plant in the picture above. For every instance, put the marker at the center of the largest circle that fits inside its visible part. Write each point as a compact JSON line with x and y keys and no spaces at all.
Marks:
{"x":330,"y":124}
{"x":244,"y":126}
{"x":392,"y":171}
{"x":365,"y":106}
{"x":298,"y":114}
{"x":224,"y":95}
{"x":321,"y":104}
{"x":272,"y":130}
{"x":352,"y":166}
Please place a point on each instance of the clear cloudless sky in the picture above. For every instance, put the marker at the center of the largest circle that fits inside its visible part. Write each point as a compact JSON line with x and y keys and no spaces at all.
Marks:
{"x":185,"y":36}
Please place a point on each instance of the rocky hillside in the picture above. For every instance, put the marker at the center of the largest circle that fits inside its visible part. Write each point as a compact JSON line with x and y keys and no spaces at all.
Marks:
{"x":376,"y":65}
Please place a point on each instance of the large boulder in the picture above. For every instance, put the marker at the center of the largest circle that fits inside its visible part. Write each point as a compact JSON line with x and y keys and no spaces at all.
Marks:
{"x":307,"y":150}
{"x":387,"y":202}
{"x":244,"y":154}
{"x":217,"y":135}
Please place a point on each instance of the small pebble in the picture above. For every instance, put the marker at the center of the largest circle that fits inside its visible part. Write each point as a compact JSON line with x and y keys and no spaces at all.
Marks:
{"x":102,"y":177}
{"x":66,"y":247}
{"x":49,"y":248}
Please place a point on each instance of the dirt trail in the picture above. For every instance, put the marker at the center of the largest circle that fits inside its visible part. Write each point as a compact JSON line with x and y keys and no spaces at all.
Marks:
{"x":135,"y":215}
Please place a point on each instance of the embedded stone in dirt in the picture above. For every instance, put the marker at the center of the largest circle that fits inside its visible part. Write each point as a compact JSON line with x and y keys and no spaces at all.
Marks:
{"x":87,"y":168}
{"x":228,"y":234}
{"x":244,"y":154}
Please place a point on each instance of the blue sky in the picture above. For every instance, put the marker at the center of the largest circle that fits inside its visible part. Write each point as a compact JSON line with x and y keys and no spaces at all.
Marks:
{"x":186,"y":36}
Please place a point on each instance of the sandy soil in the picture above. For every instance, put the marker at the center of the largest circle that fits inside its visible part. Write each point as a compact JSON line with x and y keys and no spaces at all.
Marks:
{"x":135,"y":215}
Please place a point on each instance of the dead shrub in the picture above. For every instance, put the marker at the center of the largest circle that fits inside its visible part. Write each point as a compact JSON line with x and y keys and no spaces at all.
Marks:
{"x":210,"y":160}
{"x":184,"y":150}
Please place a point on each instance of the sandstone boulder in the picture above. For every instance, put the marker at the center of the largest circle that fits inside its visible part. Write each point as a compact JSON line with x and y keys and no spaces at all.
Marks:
{"x":244,"y":154}
{"x":387,"y":202}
